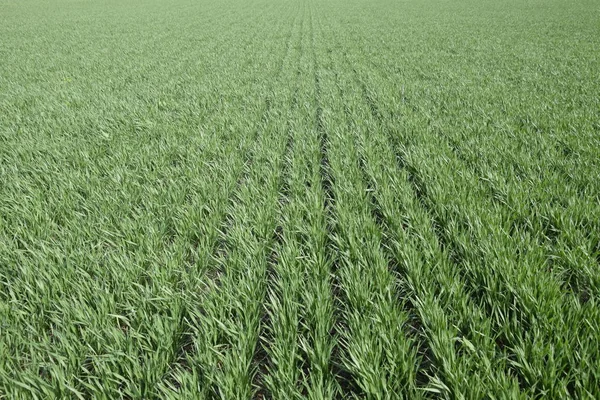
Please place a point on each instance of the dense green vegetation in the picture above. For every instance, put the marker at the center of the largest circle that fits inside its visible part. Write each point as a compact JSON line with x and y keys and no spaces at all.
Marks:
{"x":299,"y":199}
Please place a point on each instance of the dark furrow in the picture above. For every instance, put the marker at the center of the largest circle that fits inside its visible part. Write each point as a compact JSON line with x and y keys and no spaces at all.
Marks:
{"x":261,"y":359}
{"x":219,"y":253}
{"x":530,"y":221}
{"x":344,"y":378}
{"x":444,"y":241}
{"x":417,"y":330}
{"x":477,"y":292}
{"x":418,"y":185}
{"x":420,"y":191}
{"x":217,"y":256}
{"x":181,"y":338}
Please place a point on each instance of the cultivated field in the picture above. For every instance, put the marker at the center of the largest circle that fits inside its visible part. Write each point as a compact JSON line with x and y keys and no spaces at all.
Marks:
{"x":299,"y":199}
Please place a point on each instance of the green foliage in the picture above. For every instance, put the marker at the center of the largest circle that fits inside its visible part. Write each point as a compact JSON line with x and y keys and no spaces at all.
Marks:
{"x":299,"y":199}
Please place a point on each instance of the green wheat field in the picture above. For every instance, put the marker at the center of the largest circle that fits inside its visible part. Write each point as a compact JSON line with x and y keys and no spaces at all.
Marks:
{"x":288,"y":199}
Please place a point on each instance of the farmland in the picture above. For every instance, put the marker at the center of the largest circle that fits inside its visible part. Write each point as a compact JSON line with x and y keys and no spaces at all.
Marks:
{"x":299,"y":199}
